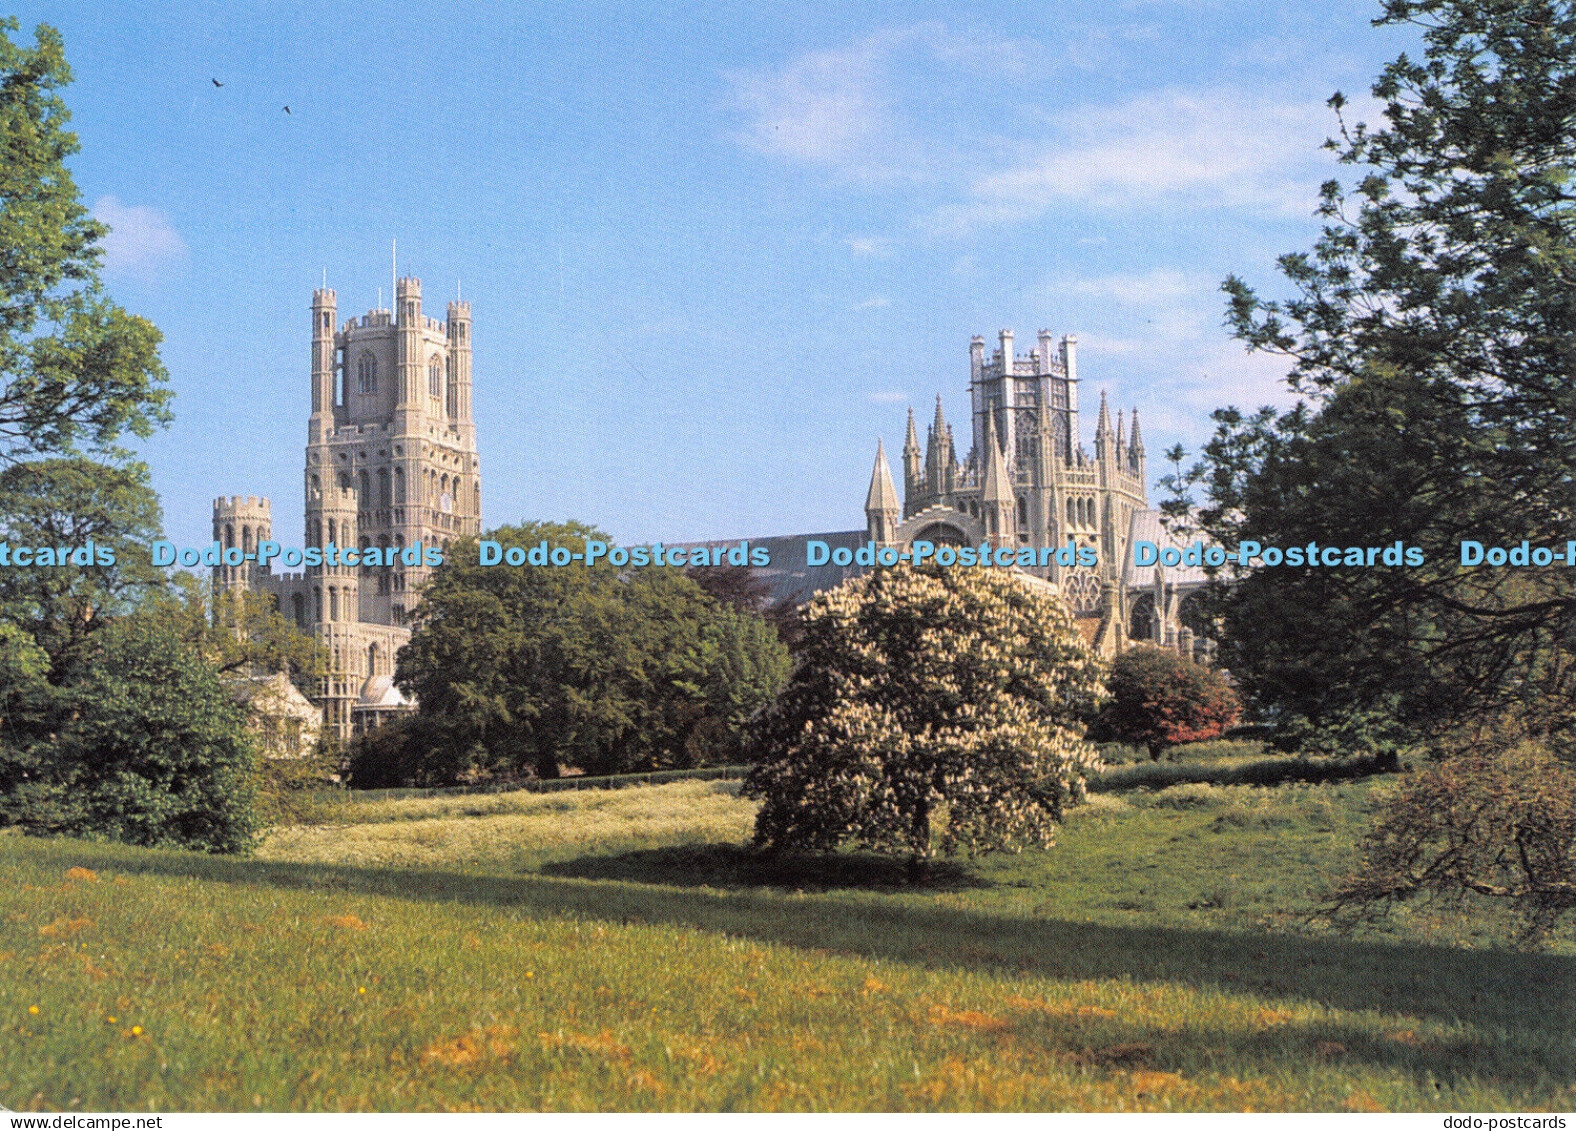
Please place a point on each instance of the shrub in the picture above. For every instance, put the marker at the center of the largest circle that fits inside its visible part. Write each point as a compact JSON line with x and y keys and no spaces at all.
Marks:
{"x":1159,"y":699}
{"x":1494,"y":821}
{"x":156,"y":752}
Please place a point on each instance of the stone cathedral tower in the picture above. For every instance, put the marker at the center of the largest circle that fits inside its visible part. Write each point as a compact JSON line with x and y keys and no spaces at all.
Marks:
{"x":391,"y":466}
{"x":1026,"y":482}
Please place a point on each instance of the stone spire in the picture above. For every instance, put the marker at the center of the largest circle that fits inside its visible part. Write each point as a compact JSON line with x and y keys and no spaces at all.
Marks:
{"x":1102,"y":428}
{"x":913,"y":462}
{"x":1136,"y":443}
{"x":997,"y":505}
{"x":882,"y":496}
{"x":938,"y":469}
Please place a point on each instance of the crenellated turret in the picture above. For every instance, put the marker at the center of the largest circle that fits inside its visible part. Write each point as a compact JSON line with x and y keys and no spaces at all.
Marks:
{"x":323,"y":368}
{"x":241,"y":522}
{"x":458,"y":400}
{"x":408,"y":354}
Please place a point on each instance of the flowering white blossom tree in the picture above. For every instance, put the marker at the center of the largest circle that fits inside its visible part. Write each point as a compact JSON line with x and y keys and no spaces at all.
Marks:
{"x":925,"y":694}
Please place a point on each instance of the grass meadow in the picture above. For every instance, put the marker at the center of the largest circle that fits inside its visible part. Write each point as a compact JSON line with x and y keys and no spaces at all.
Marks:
{"x":619,"y":950}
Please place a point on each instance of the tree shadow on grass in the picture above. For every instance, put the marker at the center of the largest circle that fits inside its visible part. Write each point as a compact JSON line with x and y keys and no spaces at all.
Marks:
{"x":1522,"y":995}
{"x":732,"y":866}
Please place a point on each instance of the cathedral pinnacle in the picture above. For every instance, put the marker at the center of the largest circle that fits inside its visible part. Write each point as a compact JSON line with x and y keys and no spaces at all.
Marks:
{"x":994,"y":488}
{"x":1102,"y":428}
{"x":882,"y":497}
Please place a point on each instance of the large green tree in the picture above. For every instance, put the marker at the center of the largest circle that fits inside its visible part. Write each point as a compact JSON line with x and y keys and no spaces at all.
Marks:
{"x":528,"y":668}
{"x":1432,"y":329}
{"x":236,"y":633}
{"x":155,"y":750}
{"x":85,"y":527}
{"x":76,"y":371}
{"x":953,"y":697}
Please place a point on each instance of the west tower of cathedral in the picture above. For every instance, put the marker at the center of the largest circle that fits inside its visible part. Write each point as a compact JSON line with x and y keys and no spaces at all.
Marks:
{"x":391,"y":467}
{"x":1026,"y":480}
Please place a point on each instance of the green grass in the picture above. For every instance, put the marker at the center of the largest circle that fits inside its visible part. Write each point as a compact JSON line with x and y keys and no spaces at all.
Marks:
{"x":625,"y":953}
{"x":513,"y":830}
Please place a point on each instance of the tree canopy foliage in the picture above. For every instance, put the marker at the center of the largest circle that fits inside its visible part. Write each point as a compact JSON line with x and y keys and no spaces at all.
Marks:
{"x":240,"y":633}
{"x":76,"y":371}
{"x":1433,"y":329}
{"x":927,"y":694}
{"x":96,"y":521}
{"x":1159,"y":699}
{"x":524,"y":669}
{"x":146,"y":745}
{"x":155,"y":751}
{"x":1495,"y":821}
{"x":108,"y":725}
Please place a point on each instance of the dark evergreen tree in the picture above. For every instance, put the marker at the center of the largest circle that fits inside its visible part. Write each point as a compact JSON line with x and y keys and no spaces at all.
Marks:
{"x":1433,"y":330}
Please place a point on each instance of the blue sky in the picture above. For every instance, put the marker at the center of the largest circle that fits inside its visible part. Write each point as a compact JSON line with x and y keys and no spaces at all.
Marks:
{"x":713,"y":250}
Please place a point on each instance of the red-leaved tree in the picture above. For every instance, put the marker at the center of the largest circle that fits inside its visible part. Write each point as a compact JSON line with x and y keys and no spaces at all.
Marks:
{"x":1159,"y":699}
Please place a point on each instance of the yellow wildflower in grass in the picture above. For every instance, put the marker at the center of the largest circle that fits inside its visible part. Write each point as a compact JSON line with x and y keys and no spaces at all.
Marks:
{"x":32,"y":1009}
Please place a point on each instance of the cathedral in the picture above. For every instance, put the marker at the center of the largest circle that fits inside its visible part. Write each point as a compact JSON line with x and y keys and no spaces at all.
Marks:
{"x":391,"y":464}
{"x":1027,"y":482}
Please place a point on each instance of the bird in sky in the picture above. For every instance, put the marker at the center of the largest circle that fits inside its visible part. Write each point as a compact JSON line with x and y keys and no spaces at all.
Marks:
{"x":287,"y":109}
{"x":216,"y":82}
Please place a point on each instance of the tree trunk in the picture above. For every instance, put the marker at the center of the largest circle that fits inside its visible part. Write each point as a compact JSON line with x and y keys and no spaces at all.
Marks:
{"x":919,"y":837}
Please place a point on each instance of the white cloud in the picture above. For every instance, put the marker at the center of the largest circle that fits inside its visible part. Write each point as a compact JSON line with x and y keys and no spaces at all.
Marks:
{"x":888,"y":396}
{"x":141,"y":243}
{"x":874,"y":302}
{"x":879,"y":246}
{"x":824,"y":108}
{"x":851,"y":110}
{"x":1219,"y":148}
{"x":1158,"y":285}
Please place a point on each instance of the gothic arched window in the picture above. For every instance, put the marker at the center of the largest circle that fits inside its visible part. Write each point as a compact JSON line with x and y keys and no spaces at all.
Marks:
{"x":453,"y":401}
{"x":435,"y":378}
{"x":383,"y":487}
{"x":367,"y":374}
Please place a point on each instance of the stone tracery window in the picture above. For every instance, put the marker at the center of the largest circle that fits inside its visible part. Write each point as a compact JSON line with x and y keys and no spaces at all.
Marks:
{"x":367,"y":374}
